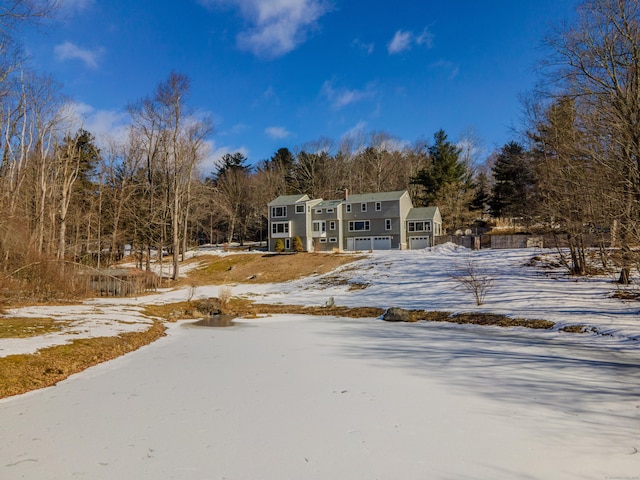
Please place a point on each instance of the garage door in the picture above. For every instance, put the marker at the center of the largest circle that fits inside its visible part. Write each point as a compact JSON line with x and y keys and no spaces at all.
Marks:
{"x":416,"y":243}
{"x":382,"y":243}
{"x":362,"y":243}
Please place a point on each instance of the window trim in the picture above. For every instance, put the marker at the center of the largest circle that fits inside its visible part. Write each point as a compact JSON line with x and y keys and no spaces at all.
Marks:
{"x":283,"y":212}
{"x":332,"y":224}
{"x":363,"y":207}
{"x":348,"y":206}
{"x":275,"y":233}
{"x":378,"y":206}
{"x":300,"y":210}
{"x":425,"y":226}
{"x":321,"y":224}
{"x":388,"y":224}
{"x":318,"y":211}
{"x":365,"y":223}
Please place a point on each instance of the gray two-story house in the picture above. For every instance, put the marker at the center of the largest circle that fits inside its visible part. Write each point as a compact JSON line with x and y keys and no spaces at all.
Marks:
{"x":370,"y":221}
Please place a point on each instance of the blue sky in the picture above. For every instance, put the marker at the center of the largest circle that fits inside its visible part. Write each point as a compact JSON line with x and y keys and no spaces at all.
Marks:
{"x":281,"y":73}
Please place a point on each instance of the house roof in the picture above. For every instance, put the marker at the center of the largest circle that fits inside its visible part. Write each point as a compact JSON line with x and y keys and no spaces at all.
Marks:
{"x":288,"y":200}
{"x":376,"y":197}
{"x":422,"y":213}
{"x":329,"y":204}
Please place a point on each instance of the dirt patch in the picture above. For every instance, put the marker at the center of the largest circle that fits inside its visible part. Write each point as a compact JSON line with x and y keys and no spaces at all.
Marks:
{"x":263,"y":268}
{"x":23,"y":373}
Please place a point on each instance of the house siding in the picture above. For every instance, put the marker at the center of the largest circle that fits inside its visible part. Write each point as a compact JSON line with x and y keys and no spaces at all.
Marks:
{"x":393,"y":210}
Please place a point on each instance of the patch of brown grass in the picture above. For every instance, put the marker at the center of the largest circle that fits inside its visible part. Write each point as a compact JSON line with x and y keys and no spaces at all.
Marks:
{"x":246,"y":308}
{"x":574,"y":329}
{"x":263,"y":268}
{"x":499,"y":320}
{"x":183,"y":310}
{"x":241,"y":307}
{"x":24,"y":327}
{"x":48,"y":366}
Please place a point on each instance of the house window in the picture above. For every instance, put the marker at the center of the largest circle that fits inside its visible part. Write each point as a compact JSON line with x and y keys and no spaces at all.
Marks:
{"x":323,"y":240}
{"x":387,"y":224}
{"x":299,"y":208}
{"x":378,"y":206}
{"x":329,"y":210}
{"x":280,"y":229}
{"x":318,"y":210}
{"x":359,"y":225}
{"x":332,"y":225}
{"x":348,"y":208}
{"x":278,"y":212}
{"x":319,"y":226}
{"x":287,"y":243}
{"x":363,"y":207}
{"x":333,"y":240}
{"x":419,"y":226}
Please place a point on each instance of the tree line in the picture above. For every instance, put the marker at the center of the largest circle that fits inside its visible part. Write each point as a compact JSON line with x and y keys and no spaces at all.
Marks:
{"x":574,"y":169}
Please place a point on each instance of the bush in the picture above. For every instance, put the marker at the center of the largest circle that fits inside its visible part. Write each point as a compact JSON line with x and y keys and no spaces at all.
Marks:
{"x":297,"y":244}
{"x":279,"y":246}
{"x":474,"y":281}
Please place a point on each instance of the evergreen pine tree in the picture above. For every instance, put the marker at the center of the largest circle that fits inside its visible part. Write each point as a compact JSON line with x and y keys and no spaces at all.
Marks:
{"x":513,"y":182}
{"x":444,"y":168}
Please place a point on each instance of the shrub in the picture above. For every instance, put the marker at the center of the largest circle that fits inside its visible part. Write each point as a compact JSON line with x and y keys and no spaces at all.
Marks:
{"x":297,"y":244}
{"x":279,"y":246}
{"x":474,"y":281}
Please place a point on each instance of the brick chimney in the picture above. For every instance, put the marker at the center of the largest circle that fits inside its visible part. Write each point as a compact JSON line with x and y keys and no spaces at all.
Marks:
{"x":346,"y":194}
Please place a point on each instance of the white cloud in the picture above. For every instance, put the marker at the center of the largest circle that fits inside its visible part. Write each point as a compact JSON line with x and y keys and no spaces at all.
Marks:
{"x":355,"y":132}
{"x":450,"y":67}
{"x":210,"y":163}
{"x":75,"y":5}
{"x":425,"y":38}
{"x":365,"y":47}
{"x":102,"y":124}
{"x":403,"y":41}
{"x":70,"y":51}
{"x":277,"y":133}
{"x":342,"y":97}
{"x":277,"y":26}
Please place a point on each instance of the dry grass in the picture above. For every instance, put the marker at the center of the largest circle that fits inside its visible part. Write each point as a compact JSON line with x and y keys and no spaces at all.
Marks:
{"x":246,"y":308}
{"x":22,"y":327}
{"x":263,"y":268}
{"x":23,"y":373}
{"x":499,"y":320}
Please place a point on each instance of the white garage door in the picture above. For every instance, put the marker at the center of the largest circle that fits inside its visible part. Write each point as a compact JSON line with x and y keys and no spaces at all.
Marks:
{"x":416,"y":243}
{"x":382,"y":243}
{"x":362,"y":243}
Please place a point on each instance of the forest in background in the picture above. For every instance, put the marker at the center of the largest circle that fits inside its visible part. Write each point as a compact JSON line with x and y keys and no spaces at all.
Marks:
{"x":573,"y":170}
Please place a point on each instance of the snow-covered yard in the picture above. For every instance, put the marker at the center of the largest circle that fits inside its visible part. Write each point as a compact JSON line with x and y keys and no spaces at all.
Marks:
{"x":290,"y":397}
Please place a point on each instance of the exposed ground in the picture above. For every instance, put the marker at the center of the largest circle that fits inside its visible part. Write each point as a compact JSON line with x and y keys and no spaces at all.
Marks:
{"x":261,"y":268}
{"x":23,"y":373}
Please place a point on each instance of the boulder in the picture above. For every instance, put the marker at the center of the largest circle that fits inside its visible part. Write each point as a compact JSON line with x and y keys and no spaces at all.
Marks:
{"x":395,"y":314}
